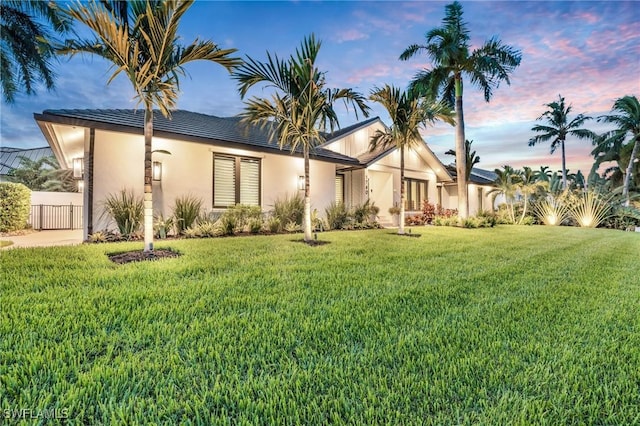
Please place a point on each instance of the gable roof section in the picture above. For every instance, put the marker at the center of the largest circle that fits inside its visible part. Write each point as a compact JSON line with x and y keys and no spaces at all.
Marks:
{"x":10,"y":157}
{"x":340,"y":133}
{"x":183,"y":125}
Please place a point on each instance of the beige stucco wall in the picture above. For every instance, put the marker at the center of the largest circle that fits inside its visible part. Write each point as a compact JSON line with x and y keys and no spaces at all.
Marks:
{"x":450,"y":198}
{"x":119,"y":163}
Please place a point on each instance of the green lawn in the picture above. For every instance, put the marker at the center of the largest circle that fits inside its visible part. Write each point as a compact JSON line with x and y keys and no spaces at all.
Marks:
{"x":511,"y":325}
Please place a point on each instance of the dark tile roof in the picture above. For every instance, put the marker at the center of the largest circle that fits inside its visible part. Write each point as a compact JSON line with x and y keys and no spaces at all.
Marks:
{"x":10,"y":157}
{"x":183,"y":125}
{"x":478,"y":176}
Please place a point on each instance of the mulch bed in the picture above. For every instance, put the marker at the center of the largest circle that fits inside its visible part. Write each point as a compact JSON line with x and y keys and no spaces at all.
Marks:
{"x":140,"y":256}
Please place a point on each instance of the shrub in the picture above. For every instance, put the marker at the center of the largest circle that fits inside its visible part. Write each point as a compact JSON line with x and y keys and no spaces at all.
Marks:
{"x":162,"y":226}
{"x":255,"y":225}
{"x":292,"y":227}
{"x":228,"y":224}
{"x":273,"y":225}
{"x":552,"y":210}
{"x":489,"y":218}
{"x":317,"y":223}
{"x":126,"y":210}
{"x":186,"y":211}
{"x":589,"y":209}
{"x":428,"y":212}
{"x":289,"y":209}
{"x":337,"y":215}
{"x":15,"y":204}
{"x":623,"y":217}
{"x":243,"y":214}
{"x":206,"y":229}
{"x":445,"y":221}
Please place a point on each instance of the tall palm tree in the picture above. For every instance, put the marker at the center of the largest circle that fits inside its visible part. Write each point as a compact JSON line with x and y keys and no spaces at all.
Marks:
{"x":485,"y":67}
{"x":141,"y":40}
{"x":471,"y":159}
{"x":626,"y":116}
{"x":543,"y":175}
{"x":27,"y":52}
{"x":301,"y":108}
{"x":557,"y":129}
{"x":408,"y":113}
{"x":527,"y":185}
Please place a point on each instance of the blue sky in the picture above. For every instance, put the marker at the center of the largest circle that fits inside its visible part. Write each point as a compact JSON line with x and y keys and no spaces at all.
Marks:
{"x":588,"y":51}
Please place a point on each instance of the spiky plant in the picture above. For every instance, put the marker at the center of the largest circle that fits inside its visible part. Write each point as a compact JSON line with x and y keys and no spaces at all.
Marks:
{"x":589,"y":209}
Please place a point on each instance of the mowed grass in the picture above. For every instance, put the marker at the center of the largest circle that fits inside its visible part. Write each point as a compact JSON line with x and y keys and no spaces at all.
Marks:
{"x":511,"y":325}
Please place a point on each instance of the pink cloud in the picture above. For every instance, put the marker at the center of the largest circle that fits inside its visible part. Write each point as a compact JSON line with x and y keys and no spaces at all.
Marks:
{"x":350,"y":35}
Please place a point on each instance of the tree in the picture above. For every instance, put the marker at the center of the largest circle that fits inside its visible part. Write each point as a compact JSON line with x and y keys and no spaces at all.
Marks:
{"x":43,"y":174}
{"x":408,"y":113}
{"x":506,"y":185}
{"x":626,"y":116}
{"x":301,"y":107}
{"x":471,"y":159}
{"x":485,"y":68}
{"x":27,"y":51}
{"x":557,"y":129}
{"x":527,"y":184}
{"x":140,"y":39}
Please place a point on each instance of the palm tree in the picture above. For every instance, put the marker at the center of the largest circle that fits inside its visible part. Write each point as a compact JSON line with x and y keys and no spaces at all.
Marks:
{"x":471,"y":159}
{"x":408,"y":113}
{"x":505,"y":184}
{"x":527,"y":184}
{"x":485,"y":67}
{"x":557,"y":129}
{"x":43,"y":174}
{"x":140,"y":39}
{"x":628,"y":121}
{"x":27,"y":52}
{"x":543,"y":175}
{"x":301,"y":108}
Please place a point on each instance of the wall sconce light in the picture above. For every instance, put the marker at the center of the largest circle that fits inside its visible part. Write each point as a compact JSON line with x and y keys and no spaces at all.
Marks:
{"x":78,"y":167}
{"x":157,"y":171}
{"x":300,"y":183}
{"x":81,"y":186}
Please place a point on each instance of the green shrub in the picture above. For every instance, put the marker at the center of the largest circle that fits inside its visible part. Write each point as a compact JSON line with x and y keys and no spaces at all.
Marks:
{"x":186,"y":211}
{"x":273,"y":225}
{"x":207,"y":229}
{"x":162,"y":226}
{"x":254,"y":225}
{"x":292,"y":227}
{"x":228,"y":224}
{"x":289,"y":209}
{"x":15,"y":204}
{"x":242,"y":215}
{"x":489,"y":218}
{"x":126,"y":210}
{"x":337,"y":215}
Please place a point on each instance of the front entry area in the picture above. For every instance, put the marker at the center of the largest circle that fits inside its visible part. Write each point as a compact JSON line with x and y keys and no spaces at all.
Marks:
{"x":381,"y":192}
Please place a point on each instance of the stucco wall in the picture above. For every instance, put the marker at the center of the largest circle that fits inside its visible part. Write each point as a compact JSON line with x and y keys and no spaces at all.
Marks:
{"x":450,"y":198}
{"x":119,"y":163}
{"x":56,"y":198}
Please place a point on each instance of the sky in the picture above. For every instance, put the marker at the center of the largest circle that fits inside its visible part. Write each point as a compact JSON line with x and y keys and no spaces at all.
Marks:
{"x":586,"y":51}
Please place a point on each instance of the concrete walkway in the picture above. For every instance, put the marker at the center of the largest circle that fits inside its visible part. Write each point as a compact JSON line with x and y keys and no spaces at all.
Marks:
{"x":45,"y":239}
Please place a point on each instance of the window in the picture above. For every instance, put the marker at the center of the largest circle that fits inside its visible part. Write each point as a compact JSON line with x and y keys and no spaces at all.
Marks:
{"x":415,"y":192}
{"x":339,"y":189}
{"x":236,"y":180}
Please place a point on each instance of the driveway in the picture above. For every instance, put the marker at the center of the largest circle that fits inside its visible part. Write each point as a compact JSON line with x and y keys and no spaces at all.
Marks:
{"x":45,"y":239}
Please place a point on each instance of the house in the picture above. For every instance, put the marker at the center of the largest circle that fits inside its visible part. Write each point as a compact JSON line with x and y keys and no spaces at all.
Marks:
{"x":478,"y":190}
{"x":224,"y":163}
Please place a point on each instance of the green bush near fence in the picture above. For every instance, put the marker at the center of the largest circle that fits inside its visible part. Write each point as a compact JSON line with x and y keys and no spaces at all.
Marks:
{"x":15,"y":203}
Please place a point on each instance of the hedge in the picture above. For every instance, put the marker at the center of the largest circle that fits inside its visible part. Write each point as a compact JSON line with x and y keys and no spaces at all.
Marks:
{"x":15,"y":203}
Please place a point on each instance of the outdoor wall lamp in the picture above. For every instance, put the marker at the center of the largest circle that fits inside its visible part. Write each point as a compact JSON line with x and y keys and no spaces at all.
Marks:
{"x":81,"y":186}
{"x":78,"y":167}
{"x":300,"y":183}
{"x":157,"y":171}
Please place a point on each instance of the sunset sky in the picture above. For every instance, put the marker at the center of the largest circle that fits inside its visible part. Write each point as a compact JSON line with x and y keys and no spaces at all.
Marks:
{"x":587,"y":51}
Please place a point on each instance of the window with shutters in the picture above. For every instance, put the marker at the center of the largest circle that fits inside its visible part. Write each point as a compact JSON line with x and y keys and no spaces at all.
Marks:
{"x":415,"y":193}
{"x":339,"y":189}
{"x":236,"y":180}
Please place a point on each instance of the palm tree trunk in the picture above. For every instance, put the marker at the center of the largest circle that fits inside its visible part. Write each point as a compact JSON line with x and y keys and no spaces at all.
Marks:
{"x":402,"y":195}
{"x":564,"y":166}
{"x":461,"y":160}
{"x":148,"y":189}
{"x":307,"y":197}
{"x":629,"y":172}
